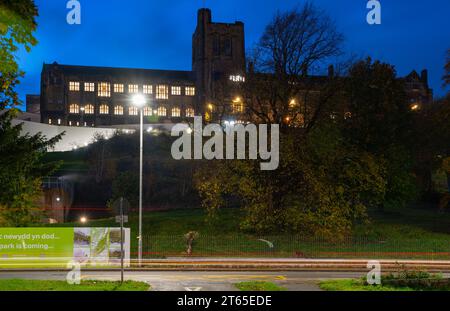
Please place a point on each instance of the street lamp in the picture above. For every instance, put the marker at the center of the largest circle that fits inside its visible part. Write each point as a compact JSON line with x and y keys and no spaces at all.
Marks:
{"x":139,"y":102}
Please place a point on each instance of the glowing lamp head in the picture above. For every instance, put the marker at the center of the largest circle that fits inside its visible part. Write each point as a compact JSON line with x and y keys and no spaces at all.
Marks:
{"x":83,"y":219}
{"x":139,"y":101}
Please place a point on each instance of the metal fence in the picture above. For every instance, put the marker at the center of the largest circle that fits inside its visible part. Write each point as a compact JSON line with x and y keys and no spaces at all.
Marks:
{"x":293,"y":247}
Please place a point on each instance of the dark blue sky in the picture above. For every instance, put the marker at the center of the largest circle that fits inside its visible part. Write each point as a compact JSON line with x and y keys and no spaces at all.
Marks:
{"x":414,"y":34}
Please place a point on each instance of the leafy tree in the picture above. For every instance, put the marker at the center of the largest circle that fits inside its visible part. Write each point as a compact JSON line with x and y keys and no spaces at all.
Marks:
{"x":21,"y":172}
{"x":323,"y":184}
{"x":380,"y":122}
{"x":21,"y":163}
{"x":17,"y":24}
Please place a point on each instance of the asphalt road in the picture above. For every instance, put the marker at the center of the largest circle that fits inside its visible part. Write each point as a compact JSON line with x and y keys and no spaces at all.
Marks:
{"x":193,"y":280}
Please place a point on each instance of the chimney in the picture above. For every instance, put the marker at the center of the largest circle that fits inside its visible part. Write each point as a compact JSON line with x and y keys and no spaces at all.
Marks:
{"x":424,"y":77}
{"x":331,"y":71}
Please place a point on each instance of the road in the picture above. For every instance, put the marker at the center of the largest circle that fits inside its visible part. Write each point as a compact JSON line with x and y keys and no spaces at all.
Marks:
{"x":196,"y":280}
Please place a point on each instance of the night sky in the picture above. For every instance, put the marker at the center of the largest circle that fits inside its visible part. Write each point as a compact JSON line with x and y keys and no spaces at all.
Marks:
{"x":414,"y":34}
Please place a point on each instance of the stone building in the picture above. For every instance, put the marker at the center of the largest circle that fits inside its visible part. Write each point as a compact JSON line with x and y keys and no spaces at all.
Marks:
{"x":102,"y":96}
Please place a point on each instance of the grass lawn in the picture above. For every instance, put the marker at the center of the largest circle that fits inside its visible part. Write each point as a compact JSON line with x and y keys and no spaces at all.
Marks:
{"x":356,"y":285}
{"x":402,"y":233}
{"x":259,"y":286}
{"x":40,"y":285}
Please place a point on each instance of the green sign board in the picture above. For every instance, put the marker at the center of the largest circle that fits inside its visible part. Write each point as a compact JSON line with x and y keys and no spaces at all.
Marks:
{"x":58,"y":247}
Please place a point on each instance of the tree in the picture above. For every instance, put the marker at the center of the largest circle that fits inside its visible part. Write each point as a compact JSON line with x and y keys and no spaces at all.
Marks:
{"x":381,"y":122}
{"x":21,"y":163}
{"x":323,"y":184}
{"x":21,"y":172}
{"x":17,"y":24}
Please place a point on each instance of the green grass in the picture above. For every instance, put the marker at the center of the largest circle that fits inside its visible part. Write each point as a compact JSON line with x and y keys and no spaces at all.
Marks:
{"x":259,"y":286}
{"x":41,"y":285}
{"x":401,"y":233}
{"x":356,"y":285}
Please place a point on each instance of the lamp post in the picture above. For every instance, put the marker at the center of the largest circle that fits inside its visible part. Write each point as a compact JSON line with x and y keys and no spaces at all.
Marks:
{"x":139,"y":102}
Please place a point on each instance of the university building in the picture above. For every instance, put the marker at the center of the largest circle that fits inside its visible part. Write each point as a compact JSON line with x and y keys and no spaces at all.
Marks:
{"x":102,"y":96}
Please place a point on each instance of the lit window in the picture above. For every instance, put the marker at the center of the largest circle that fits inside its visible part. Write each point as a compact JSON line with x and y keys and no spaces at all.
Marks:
{"x":59,"y":121}
{"x":104,"y":109}
{"x":89,"y":87}
{"x":162,"y":92}
{"x":104,"y":89}
{"x":176,"y":112}
{"x":237,"y":78}
{"x":78,"y":123}
{"x":189,"y":112}
{"x":147,"y":111}
{"x":50,"y":121}
{"x":237,"y":106}
{"x":70,"y":123}
{"x":162,"y":111}
{"x":118,"y":88}
{"x":118,"y":110}
{"x":148,"y":89}
{"x":176,"y":90}
{"x":74,"y":108}
{"x":74,"y":86}
{"x":89,"y":109}
{"x":190,"y":91}
{"x":132,"y":88}
{"x":133,"y":111}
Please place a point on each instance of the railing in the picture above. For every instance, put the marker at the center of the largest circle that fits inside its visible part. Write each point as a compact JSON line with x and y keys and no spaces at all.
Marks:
{"x":292,"y":247}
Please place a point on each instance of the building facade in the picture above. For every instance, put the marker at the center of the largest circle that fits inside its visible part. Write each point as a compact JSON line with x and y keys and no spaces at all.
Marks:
{"x":102,"y":97}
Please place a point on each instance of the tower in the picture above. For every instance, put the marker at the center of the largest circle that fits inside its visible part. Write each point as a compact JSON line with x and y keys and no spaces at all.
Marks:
{"x":218,"y":51}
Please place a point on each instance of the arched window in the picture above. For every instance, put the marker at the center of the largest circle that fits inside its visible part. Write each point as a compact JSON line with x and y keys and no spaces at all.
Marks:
{"x":118,"y":110}
{"x":147,"y":111}
{"x":162,"y":111}
{"x":190,"y":112}
{"x":132,"y":111}
{"x":74,"y":108}
{"x":104,"y":109}
{"x":89,"y":109}
{"x":176,"y":112}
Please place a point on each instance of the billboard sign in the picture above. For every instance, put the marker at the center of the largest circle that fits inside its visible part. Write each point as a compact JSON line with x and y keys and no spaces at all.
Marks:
{"x":56,"y":247}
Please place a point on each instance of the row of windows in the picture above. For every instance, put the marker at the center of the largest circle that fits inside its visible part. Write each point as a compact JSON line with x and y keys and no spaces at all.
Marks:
{"x":104,"y":89}
{"x":132,"y":111}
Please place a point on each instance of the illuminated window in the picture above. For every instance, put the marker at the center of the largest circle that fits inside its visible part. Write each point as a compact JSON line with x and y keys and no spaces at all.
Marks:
{"x":89,"y":109}
{"x":132,"y":88}
{"x":89,"y":87}
{"x":176,"y":112}
{"x":237,"y":106}
{"x":148,"y":89}
{"x":133,"y":111}
{"x":104,"y":109}
{"x":50,"y":121}
{"x":70,"y":123}
{"x":104,"y":89}
{"x":162,"y":111}
{"x":162,"y":92}
{"x":190,"y":91}
{"x":74,"y":108}
{"x":59,"y":121}
{"x":189,"y":112}
{"x":176,"y":90}
{"x":237,"y":78}
{"x":74,"y":86}
{"x":118,"y":110}
{"x":118,"y":88}
{"x":147,"y":111}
